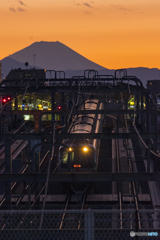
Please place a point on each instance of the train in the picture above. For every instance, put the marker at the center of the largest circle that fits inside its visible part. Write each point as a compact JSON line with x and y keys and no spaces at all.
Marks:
{"x":82,"y":154}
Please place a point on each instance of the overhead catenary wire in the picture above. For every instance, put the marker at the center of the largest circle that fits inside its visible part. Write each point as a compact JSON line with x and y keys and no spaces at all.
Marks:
{"x":46,"y":184}
{"x":19,"y":127}
{"x":130,"y":167}
{"x":25,"y":90}
{"x":2,"y":107}
{"x":74,"y":104}
{"x":48,"y":172}
{"x":157,"y":155}
{"x":40,"y":192}
{"x":14,"y":97}
{"x":38,"y":196}
{"x":153,"y":100}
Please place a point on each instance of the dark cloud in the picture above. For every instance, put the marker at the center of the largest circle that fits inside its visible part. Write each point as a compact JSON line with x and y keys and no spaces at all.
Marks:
{"x":77,"y":4}
{"x":21,"y":10}
{"x":87,"y":5}
{"x":21,"y":3}
{"x":15,"y":6}
{"x":121,"y":8}
{"x":12,"y":9}
{"x":124,"y":9}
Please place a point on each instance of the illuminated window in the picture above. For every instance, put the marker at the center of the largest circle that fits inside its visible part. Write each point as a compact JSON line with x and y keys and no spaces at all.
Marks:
{"x":26,"y":117}
{"x":72,"y":156}
{"x":65,"y":157}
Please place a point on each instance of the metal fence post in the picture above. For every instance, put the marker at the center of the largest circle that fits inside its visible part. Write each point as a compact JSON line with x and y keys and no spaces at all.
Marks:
{"x":89,"y":225}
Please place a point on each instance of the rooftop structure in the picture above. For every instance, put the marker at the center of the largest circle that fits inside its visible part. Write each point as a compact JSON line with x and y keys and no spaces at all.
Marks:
{"x":26,"y":74}
{"x":154,"y":86}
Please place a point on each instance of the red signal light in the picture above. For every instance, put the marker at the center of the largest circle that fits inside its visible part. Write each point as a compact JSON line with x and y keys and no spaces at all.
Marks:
{"x":6,"y":100}
{"x":59,"y":107}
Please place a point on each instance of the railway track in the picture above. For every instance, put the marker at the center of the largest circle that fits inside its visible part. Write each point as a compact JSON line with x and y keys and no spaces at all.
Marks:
{"x":16,"y":149}
{"x":125,"y":162}
{"x":18,"y":189}
{"x":116,"y":196}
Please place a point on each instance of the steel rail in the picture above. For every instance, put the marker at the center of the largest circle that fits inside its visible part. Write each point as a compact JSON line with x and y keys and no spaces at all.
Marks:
{"x":15,"y":184}
{"x":82,"y":208}
{"x":68,"y":197}
{"x":130,"y":166}
{"x":23,"y":169}
{"x":119,"y":184}
{"x":42,"y":161}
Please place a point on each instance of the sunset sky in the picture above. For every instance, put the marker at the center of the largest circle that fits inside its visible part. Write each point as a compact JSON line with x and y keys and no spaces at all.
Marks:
{"x":112,"y":33}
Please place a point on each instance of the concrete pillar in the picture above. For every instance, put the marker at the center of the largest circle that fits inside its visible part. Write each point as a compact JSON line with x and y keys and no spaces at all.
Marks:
{"x":53,"y":101}
{"x":147,"y":118}
{"x":53,"y":107}
{"x":63,"y":107}
{"x":8,"y":169}
{"x":89,"y":224}
{"x":156,"y":159}
{"x":16,"y":108}
{"x":142,"y":116}
{"x":36,"y":121}
{"x":35,"y":166}
{"x":34,"y":101}
{"x":137,"y":96}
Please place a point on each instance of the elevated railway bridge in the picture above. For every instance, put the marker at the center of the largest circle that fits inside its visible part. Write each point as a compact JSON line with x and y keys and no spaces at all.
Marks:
{"x":119,"y":199}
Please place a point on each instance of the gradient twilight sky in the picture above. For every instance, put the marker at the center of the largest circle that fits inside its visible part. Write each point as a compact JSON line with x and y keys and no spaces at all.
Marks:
{"x":112,"y":33}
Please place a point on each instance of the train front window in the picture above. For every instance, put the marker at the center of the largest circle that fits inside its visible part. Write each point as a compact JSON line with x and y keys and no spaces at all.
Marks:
{"x":65,"y":157}
{"x":79,"y":156}
{"x":84,"y":157}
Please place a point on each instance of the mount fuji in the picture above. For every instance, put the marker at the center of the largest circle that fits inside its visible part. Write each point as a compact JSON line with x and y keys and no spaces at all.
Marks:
{"x":59,"y":57}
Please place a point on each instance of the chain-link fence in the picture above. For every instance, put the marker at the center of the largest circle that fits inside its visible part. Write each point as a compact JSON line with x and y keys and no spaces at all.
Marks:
{"x":79,"y":224}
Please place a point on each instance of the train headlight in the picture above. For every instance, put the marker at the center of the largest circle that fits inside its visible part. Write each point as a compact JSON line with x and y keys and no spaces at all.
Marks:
{"x":85,"y":149}
{"x":70,"y":149}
